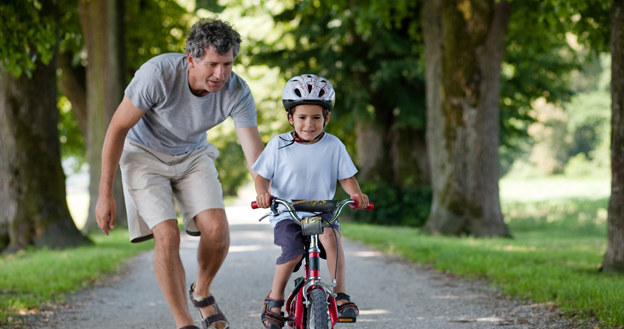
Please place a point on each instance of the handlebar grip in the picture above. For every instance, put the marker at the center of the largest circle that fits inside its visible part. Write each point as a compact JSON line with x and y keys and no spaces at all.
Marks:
{"x":354,"y":205}
{"x":254,"y":204}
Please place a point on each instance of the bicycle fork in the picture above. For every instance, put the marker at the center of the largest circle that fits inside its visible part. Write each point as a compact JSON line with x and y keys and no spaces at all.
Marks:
{"x":310,"y":281}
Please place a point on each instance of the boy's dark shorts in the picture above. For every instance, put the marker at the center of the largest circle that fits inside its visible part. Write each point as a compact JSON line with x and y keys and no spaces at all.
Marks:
{"x":287,"y":235}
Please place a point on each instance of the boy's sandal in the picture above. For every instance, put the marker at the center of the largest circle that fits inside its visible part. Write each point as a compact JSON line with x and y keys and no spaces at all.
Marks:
{"x":190,"y":327}
{"x":210,"y":321}
{"x":269,"y":318}
{"x":348,"y":309}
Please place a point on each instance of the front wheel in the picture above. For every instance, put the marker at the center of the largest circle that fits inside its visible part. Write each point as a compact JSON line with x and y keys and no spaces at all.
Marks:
{"x":317,"y":315}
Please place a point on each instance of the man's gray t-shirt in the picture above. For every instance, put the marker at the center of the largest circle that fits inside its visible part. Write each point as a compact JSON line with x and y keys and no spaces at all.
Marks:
{"x":176,"y":120}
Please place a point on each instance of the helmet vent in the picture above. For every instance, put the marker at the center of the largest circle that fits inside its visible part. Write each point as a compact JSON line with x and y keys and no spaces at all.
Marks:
{"x":310,"y":88}
{"x":322,"y":92}
{"x":298,"y":92}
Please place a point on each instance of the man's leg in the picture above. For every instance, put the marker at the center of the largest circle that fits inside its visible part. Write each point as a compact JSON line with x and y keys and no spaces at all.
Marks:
{"x":214,"y":243}
{"x":170,"y":272}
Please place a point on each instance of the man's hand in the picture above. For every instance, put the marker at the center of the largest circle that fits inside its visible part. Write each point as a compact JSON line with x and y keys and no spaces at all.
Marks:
{"x":105,"y":212}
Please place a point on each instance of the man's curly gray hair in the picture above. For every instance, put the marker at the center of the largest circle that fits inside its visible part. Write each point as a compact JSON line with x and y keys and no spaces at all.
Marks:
{"x":212,"y":32}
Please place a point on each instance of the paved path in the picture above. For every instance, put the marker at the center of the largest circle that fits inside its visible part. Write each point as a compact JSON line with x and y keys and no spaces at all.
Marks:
{"x":390,"y":292}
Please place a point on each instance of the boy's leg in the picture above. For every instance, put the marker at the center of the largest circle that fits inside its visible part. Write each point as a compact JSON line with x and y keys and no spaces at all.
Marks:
{"x":214,"y":243}
{"x":280,"y":278}
{"x":169,"y":270}
{"x":332,"y":243}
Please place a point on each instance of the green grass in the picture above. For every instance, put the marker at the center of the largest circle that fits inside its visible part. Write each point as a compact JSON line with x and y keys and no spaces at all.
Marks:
{"x":32,"y":279}
{"x":554,"y":256}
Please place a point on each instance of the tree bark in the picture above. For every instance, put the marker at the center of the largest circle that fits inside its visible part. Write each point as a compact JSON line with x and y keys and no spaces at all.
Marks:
{"x":614,"y":257}
{"x":101,"y":22}
{"x":464,"y":45}
{"x":32,"y":182}
{"x":398,"y":156}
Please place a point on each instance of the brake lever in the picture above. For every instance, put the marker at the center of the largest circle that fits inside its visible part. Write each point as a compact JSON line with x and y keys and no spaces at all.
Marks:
{"x":265,"y":216}
{"x":274,"y":212}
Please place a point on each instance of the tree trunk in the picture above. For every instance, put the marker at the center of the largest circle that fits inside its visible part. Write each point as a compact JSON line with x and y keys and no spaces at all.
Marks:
{"x":32,"y":182}
{"x":101,"y":22}
{"x":398,"y":156}
{"x":614,"y":257}
{"x":464,"y":44}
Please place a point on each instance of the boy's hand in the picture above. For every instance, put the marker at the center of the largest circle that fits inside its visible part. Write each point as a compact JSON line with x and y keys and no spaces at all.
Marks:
{"x":263,"y":200}
{"x":362,"y":200}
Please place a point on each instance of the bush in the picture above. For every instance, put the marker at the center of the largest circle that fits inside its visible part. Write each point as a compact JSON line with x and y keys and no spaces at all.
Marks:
{"x":404,"y":206}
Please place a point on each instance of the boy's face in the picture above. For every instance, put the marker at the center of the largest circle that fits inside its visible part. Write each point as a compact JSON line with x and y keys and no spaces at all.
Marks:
{"x":308,"y":121}
{"x":209,"y":73}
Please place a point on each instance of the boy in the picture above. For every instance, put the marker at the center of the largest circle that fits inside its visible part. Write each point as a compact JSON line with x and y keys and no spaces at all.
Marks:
{"x":305,"y":164}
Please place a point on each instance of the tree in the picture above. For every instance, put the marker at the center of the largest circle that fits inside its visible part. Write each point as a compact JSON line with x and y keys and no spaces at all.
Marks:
{"x":32,"y":182}
{"x":614,"y":257}
{"x":375,"y":68}
{"x":94,"y":85}
{"x":102,"y":28}
{"x":464,"y":43}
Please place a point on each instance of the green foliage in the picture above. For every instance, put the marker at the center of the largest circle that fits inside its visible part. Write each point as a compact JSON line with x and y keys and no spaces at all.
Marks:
{"x":70,"y":136}
{"x":27,"y":34}
{"x":574,"y":128}
{"x":153,"y":27}
{"x":231,"y":163}
{"x":405,"y":205}
{"x":538,"y":63}
{"x":374,"y":64}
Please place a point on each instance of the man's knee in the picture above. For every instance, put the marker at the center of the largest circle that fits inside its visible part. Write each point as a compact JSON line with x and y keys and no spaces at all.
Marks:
{"x":213,"y":225}
{"x":167,"y":235}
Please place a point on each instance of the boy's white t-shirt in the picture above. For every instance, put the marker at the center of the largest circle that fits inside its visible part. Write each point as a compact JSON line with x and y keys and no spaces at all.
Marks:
{"x":304,"y":171}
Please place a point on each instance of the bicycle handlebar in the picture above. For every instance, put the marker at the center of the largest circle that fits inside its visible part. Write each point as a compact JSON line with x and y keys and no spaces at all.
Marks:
{"x":314,"y":205}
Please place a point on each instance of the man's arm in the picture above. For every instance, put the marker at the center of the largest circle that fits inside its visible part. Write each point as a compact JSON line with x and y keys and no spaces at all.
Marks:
{"x":252,"y":145}
{"x":125,"y":117}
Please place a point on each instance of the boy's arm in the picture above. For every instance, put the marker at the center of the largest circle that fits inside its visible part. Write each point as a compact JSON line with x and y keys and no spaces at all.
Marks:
{"x":351,"y":186}
{"x":263,"y":197}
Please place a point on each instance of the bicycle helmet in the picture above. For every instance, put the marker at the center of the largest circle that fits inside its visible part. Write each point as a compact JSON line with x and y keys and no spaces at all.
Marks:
{"x":308,"y":89}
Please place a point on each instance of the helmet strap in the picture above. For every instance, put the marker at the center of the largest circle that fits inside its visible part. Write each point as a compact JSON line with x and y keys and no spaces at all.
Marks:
{"x":301,"y":140}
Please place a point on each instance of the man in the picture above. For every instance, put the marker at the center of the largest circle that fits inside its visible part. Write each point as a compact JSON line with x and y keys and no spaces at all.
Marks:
{"x":158,"y":137}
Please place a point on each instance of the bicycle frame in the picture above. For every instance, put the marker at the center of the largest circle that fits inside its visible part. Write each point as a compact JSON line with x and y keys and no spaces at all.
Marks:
{"x":299,"y":301}
{"x":311,"y":280}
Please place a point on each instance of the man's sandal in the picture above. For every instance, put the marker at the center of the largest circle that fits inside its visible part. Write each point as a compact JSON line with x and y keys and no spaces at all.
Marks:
{"x":208,"y":322}
{"x":348,"y":311}
{"x":269,"y":318}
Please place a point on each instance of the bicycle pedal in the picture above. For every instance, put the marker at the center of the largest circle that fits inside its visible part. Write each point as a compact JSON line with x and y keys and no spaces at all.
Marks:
{"x":346,"y":320}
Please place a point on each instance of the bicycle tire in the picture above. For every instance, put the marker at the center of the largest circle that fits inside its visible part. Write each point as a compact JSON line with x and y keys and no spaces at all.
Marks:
{"x":317,"y":313}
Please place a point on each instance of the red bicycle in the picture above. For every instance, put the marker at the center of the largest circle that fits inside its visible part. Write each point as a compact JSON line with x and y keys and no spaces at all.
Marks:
{"x":312,"y":304}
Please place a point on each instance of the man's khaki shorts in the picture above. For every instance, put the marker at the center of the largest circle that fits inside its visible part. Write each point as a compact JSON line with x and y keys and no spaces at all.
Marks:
{"x":151,"y":181}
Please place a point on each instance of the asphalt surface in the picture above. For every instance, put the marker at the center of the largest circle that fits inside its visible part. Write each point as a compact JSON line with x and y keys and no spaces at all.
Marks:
{"x":390,"y":292}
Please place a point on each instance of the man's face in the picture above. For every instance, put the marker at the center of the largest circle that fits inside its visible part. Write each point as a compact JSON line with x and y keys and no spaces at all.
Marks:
{"x":209,"y":73}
